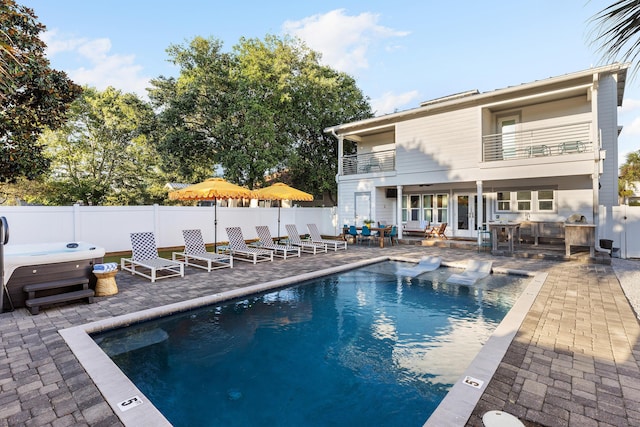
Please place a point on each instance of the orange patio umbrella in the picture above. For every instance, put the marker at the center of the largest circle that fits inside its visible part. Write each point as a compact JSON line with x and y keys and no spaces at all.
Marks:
{"x":212,"y":189}
{"x":281,"y":191}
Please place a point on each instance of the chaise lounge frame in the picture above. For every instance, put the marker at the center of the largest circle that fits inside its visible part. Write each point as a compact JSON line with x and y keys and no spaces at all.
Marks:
{"x":144,"y":256}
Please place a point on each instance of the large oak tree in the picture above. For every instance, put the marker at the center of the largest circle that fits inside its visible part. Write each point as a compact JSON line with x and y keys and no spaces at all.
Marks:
{"x":32,"y":95}
{"x":256,"y":111}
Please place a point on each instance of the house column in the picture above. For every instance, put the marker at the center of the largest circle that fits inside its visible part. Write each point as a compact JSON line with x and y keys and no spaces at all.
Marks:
{"x":340,"y":153}
{"x":479,"y":212}
{"x":399,"y":210}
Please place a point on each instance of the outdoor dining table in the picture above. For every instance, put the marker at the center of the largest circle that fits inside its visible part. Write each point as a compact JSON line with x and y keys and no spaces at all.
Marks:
{"x":381,"y":230}
{"x":512,"y":228}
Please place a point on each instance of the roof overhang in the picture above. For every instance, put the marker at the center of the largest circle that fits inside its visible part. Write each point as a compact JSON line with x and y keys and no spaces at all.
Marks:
{"x":577,"y":83}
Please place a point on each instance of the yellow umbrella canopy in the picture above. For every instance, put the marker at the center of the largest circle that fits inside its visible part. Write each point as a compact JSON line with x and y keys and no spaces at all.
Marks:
{"x":212,"y":189}
{"x":281,"y":191}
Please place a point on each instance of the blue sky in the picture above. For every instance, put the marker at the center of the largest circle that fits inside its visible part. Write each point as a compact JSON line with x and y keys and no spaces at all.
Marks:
{"x":400,"y":53}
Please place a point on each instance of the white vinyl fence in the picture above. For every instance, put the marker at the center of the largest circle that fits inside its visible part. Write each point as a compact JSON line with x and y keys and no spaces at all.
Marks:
{"x":625,"y":232}
{"x":110,"y":226}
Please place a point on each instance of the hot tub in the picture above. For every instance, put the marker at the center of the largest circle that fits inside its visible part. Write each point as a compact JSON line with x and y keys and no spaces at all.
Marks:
{"x":46,"y":262}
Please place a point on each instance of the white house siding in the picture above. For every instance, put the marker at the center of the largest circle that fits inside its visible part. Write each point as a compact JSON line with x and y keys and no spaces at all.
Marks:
{"x":607,"y":118}
{"x":556,"y":113}
{"x":347,"y":191}
{"x":445,"y":145}
{"x":380,"y":142}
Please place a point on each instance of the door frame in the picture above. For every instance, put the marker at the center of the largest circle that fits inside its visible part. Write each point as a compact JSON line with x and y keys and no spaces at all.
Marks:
{"x":471,"y":230}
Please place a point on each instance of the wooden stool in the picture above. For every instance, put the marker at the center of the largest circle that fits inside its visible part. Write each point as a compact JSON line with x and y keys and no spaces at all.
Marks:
{"x":106,"y":284}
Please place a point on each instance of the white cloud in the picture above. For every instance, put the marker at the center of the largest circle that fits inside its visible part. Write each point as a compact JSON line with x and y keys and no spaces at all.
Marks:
{"x":633,"y":128}
{"x":390,"y":102}
{"x":104,"y":69}
{"x":629,"y":104}
{"x":343,"y":40}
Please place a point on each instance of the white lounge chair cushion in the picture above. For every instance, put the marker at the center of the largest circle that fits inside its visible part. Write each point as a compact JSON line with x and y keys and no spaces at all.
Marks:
{"x":475,"y":271}
{"x":427,"y":263}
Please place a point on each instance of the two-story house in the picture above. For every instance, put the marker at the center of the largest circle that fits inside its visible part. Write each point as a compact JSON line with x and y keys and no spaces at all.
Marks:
{"x":540,"y":151}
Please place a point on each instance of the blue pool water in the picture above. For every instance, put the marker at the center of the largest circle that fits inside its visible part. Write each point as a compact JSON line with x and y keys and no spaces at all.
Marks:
{"x":359,"y":348}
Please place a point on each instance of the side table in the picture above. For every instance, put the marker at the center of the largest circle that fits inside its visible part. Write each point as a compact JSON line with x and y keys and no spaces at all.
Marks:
{"x":106,"y":284}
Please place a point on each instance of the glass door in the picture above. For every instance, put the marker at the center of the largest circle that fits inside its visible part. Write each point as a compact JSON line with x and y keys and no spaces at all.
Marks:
{"x":464,"y":215}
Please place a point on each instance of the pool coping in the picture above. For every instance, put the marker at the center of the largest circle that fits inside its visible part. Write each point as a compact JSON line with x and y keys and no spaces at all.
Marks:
{"x":133,"y":408}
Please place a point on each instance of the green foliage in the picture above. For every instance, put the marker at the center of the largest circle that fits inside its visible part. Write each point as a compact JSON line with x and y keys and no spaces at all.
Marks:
{"x":102,"y":155}
{"x":617,"y":30}
{"x":257,"y":111}
{"x":629,"y":175}
{"x":32,"y":95}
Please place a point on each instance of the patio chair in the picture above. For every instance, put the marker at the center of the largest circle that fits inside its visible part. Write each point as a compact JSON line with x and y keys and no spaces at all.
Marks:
{"x":146,"y":262}
{"x":353,"y":232}
{"x":437,"y":231}
{"x":266,"y":242}
{"x":366,"y":235}
{"x":304,"y":245}
{"x":393,"y":235}
{"x":317,"y":238}
{"x":239,"y":249}
{"x":195,"y":253}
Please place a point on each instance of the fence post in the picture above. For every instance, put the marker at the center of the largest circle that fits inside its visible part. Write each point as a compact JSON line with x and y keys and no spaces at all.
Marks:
{"x":76,"y":222}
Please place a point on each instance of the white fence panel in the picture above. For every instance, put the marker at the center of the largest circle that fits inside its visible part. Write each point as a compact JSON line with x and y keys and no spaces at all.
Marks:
{"x":39,"y":225}
{"x":626,"y":230}
{"x":110,"y":226}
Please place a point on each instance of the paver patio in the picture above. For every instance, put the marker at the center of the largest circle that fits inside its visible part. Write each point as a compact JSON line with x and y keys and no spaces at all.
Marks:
{"x":574,"y":361}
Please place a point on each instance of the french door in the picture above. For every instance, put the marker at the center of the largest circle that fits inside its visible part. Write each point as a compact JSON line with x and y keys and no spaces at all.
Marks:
{"x":466,"y":218}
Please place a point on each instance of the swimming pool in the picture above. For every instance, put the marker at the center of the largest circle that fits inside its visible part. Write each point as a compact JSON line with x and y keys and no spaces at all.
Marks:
{"x":384,"y":350}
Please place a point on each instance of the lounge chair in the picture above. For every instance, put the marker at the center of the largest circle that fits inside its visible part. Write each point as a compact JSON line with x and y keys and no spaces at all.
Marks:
{"x":266,"y":242}
{"x":304,"y":245}
{"x":195,"y":253}
{"x":475,"y":271}
{"x":239,"y":249}
{"x":437,"y":231}
{"x":317,"y":238}
{"x":426,"y":263}
{"x":146,"y":262}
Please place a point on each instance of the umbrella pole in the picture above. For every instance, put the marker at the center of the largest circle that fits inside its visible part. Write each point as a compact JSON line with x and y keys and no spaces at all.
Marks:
{"x":279,"y":203}
{"x":215,"y":225}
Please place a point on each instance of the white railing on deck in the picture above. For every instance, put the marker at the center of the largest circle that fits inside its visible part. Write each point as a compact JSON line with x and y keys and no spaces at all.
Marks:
{"x":378,"y":161}
{"x":540,"y":142}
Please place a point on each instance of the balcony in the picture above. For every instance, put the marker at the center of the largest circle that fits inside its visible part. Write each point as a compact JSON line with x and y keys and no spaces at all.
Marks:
{"x":548,"y":141}
{"x":379,"y":161}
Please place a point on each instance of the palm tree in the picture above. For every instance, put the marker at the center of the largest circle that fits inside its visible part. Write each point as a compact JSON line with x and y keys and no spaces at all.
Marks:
{"x":617,"y":30}
{"x":629,"y":175}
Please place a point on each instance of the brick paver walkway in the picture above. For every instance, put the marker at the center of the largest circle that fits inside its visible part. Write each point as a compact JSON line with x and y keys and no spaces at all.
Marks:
{"x":574,"y":361}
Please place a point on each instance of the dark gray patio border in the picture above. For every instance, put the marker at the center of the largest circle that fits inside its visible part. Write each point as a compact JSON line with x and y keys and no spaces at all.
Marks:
{"x":116,"y":388}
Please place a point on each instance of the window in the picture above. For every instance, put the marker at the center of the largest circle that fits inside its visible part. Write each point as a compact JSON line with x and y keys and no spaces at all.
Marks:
{"x":504,"y":201}
{"x":545,"y":200}
{"x":527,"y":201}
{"x":428,"y":207}
{"x":443,"y":207}
{"x":410,"y":208}
{"x":523,"y":200}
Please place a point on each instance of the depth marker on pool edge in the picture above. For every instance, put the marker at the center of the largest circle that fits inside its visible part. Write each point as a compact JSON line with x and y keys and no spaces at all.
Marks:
{"x":132,"y":402}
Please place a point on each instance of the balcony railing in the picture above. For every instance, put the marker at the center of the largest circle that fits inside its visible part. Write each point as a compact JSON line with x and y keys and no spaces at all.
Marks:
{"x":548,"y":141}
{"x":379,"y":161}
